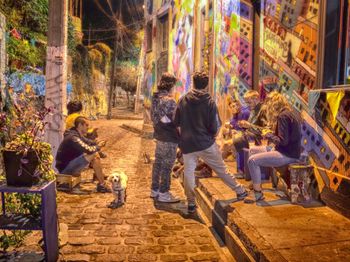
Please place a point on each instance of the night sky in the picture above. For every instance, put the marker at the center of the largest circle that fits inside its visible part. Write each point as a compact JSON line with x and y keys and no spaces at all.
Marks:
{"x":102,"y":26}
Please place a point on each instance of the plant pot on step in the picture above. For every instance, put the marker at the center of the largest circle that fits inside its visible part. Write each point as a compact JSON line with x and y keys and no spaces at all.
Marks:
{"x":20,"y":169}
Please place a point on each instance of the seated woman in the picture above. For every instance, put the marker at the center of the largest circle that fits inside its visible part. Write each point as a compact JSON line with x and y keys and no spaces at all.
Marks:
{"x":286,"y":138}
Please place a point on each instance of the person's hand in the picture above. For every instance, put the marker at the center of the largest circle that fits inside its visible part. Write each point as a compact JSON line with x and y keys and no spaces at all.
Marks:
{"x":244,"y":124}
{"x":101,"y":143}
{"x":268,"y":135}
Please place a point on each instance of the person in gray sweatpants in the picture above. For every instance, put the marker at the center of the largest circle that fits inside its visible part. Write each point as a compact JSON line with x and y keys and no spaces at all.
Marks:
{"x":197,"y":120}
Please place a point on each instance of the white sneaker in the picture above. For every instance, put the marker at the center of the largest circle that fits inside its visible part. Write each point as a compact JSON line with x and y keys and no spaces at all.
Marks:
{"x":154,"y":193}
{"x":167,"y":197}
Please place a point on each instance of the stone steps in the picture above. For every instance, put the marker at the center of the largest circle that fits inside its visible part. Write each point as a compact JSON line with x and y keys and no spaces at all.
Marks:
{"x":274,"y":230}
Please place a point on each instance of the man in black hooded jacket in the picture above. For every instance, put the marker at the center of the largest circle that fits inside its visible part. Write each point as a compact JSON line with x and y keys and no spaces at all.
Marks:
{"x":76,"y":153}
{"x":197,"y":120}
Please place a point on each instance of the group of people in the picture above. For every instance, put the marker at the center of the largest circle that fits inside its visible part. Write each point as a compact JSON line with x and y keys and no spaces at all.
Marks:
{"x":193,"y":124}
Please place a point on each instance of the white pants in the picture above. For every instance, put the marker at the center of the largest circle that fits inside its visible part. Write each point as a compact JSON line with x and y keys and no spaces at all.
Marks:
{"x":212,"y":157}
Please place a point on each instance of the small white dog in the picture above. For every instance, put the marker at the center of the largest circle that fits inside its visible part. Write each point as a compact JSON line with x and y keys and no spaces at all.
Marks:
{"x":118,"y":182}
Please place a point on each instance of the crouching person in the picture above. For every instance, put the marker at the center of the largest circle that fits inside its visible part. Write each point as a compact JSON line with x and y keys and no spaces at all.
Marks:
{"x":163,"y":108}
{"x":75,"y":153}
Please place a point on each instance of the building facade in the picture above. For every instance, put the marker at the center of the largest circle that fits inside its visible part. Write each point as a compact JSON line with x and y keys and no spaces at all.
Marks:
{"x":299,"y":47}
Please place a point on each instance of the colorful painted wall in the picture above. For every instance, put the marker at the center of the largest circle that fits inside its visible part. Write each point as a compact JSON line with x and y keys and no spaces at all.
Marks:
{"x":287,"y":62}
{"x":233,"y":50}
{"x":288,"y":53}
{"x":181,"y":44}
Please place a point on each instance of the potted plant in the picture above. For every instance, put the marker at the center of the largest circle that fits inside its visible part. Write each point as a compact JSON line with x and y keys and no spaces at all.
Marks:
{"x":27,"y":158}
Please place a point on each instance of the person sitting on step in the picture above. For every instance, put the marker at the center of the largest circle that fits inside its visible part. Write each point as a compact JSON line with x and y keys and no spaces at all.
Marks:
{"x":286,"y":138}
{"x":75,"y":153}
{"x":74,"y":109}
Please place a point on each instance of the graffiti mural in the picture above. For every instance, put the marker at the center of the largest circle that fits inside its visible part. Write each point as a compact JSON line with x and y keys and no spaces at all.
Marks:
{"x":233,"y":51}
{"x":181,"y":44}
{"x":18,"y":80}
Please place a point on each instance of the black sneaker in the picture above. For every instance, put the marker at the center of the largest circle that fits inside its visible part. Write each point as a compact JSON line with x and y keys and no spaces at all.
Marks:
{"x":242,"y":195}
{"x":191,"y":208}
{"x":103,"y":189}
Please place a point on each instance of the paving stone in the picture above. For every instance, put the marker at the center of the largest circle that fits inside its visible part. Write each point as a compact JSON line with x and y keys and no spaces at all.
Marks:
{"x":210,"y":257}
{"x":133,"y":233}
{"x":163,"y":233}
{"x":183,"y":249}
{"x":142,"y":257}
{"x":151,"y":249}
{"x":81,"y":241}
{"x":171,"y":241}
{"x":103,"y":233}
{"x":111,"y":258}
{"x":200,"y":240}
{"x":121,"y":249}
{"x":173,"y":258}
{"x":136,"y":221}
{"x":91,"y":249}
{"x":109,"y":241}
{"x":172,"y":228}
{"x":207,"y":248}
{"x":77,"y":258}
{"x":138,"y":241}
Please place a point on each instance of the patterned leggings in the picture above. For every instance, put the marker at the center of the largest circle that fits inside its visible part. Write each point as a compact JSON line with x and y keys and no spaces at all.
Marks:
{"x":164,"y":160}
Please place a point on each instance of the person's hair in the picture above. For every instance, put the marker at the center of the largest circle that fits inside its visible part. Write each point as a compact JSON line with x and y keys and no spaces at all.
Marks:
{"x":80,"y":120}
{"x":74,"y":107}
{"x":251,"y":94}
{"x":200,"y":80}
{"x":276,"y":105}
{"x":166,"y":82}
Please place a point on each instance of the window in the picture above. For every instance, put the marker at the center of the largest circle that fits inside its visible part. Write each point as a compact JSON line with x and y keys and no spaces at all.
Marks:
{"x":149,"y":36}
{"x":164,"y":32}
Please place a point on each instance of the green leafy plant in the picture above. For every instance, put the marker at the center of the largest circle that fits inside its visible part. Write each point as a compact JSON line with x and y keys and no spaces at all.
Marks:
{"x":22,"y":128}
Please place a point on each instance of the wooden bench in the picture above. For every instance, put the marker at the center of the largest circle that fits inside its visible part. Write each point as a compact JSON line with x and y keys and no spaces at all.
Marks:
{"x":71,"y":181}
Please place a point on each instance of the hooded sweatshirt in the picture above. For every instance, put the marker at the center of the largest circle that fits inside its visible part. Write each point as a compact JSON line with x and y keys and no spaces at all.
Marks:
{"x":73,"y":146}
{"x":162,"y":112}
{"x":196,"y":116}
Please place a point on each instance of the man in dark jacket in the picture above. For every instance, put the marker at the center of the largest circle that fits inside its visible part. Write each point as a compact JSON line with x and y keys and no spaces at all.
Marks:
{"x":76,"y":153}
{"x":198,"y":122}
{"x":162,"y":111}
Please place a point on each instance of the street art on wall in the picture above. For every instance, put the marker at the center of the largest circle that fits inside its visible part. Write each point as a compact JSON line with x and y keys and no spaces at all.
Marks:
{"x":18,"y":81}
{"x":181,"y":42}
{"x":233,"y":51}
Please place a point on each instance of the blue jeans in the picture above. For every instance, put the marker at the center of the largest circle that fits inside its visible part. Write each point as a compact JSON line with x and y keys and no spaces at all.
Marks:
{"x":76,"y":166}
{"x":262,"y":156}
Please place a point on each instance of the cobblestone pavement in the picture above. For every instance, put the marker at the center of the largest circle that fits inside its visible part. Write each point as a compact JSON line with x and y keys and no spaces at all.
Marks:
{"x":141,"y":230}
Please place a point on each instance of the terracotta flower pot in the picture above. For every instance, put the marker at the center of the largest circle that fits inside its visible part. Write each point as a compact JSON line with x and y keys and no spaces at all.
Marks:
{"x":20,"y":170}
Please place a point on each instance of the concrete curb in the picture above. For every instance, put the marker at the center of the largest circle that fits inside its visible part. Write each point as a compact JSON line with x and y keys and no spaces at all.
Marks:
{"x":218,"y":222}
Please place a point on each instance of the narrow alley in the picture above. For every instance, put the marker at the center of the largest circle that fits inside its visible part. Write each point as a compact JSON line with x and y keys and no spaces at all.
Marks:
{"x":140,"y":230}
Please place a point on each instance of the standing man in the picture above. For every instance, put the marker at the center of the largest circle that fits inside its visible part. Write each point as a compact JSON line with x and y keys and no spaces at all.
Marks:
{"x":197,"y":120}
